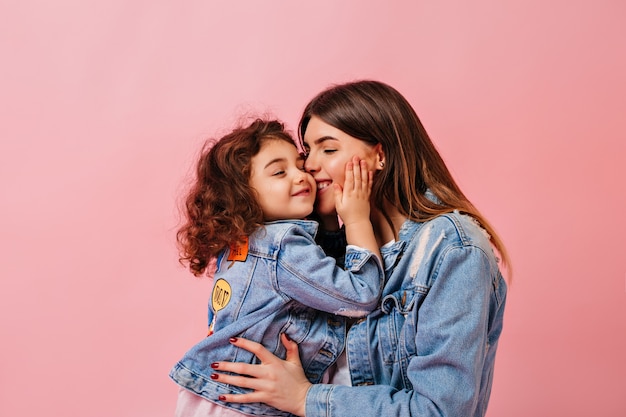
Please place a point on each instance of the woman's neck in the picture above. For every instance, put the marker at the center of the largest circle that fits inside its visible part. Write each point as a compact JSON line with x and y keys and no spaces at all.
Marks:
{"x":383,"y":231}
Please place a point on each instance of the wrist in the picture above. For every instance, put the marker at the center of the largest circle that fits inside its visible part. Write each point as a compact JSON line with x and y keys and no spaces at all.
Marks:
{"x":301,"y":411}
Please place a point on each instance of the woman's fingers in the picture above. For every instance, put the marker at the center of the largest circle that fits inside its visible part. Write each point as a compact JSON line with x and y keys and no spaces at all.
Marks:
{"x":255,"y":371}
{"x":276,"y":382}
{"x":258,"y":349}
{"x":293,"y":355}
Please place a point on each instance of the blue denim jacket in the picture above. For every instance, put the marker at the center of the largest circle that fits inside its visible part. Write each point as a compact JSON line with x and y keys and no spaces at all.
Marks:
{"x":285,"y":285}
{"x":432,"y":344}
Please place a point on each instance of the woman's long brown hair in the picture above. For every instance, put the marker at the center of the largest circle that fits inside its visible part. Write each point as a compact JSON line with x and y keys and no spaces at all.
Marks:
{"x":375,"y":112}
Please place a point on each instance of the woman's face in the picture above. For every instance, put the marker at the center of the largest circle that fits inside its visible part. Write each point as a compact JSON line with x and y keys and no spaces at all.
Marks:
{"x":329,"y":149}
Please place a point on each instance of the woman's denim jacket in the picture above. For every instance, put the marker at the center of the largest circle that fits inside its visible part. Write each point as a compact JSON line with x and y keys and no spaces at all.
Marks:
{"x":432,"y":344}
{"x":285,"y":285}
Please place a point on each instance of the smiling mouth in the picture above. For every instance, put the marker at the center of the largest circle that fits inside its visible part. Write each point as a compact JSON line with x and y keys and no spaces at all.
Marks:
{"x":322,"y":185}
{"x":302,"y":193}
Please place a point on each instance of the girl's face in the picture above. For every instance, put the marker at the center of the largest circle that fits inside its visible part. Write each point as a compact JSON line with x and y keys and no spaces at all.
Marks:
{"x":284,"y":189}
{"x":328,"y":150}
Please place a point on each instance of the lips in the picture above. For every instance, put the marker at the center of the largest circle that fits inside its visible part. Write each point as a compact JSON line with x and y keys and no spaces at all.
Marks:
{"x":321,"y":185}
{"x":303,"y":193}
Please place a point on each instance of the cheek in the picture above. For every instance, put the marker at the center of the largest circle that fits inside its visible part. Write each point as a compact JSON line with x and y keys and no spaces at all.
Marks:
{"x":336,"y":170}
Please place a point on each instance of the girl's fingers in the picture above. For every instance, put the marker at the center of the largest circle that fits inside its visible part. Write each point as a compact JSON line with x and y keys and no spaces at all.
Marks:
{"x":348,"y":183}
{"x":356,"y":172}
{"x":366,"y":182}
{"x":362,"y":176}
{"x":357,"y":176}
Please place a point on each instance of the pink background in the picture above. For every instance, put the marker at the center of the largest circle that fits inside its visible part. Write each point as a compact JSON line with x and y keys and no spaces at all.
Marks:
{"x":105,"y":104}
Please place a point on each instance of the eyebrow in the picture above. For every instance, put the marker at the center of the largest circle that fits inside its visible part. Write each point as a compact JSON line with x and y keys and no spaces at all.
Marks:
{"x":277,"y":160}
{"x":273,"y":161}
{"x":321,"y":140}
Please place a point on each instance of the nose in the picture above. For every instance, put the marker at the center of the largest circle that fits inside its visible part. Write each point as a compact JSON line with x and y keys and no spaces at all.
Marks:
{"x":310,"y":164}
{"x":300,"y":177}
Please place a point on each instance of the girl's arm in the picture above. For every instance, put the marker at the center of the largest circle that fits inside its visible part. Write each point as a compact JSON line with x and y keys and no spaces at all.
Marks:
{"x":306,"y":274}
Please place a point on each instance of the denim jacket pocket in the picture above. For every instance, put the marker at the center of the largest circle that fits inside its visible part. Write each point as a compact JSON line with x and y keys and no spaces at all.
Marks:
{"x":298,"y":325}
{"x":398,"y":330}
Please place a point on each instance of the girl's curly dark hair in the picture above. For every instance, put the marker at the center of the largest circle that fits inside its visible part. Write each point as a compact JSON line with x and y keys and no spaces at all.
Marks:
{"x":221,"y":207}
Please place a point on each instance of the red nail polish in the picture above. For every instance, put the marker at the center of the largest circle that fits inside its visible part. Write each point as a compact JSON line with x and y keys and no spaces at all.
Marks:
{"x":221,"y":398}
{"x":232,"y":340}
{"x":214,"y":376}
{"x":215,"y":365}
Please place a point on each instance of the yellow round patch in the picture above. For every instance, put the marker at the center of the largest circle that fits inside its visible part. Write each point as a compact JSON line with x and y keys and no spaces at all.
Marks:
{"x":221,"y":294}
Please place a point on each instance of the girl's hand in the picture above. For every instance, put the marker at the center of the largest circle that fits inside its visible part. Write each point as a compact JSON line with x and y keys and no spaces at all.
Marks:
{"x":353,"y":201}
{"x":276,"y":382}
{"x":353,"y":206}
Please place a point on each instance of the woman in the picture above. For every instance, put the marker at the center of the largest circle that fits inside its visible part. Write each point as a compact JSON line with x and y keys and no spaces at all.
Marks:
{"x":430,"y":347}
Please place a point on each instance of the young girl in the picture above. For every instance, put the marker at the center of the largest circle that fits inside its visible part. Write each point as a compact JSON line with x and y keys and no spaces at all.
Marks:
{"x":244,"y":222}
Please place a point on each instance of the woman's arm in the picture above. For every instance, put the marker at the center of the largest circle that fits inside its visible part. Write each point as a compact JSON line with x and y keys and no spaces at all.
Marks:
{"x":276,"y":382}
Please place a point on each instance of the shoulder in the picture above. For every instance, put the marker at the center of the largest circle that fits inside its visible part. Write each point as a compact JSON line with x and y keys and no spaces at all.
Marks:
{"x":285,"y":227}
{"x":451,"y":247}
{"x":450,"y":228}
{"x":273,"y":235}
{"x":462,"y":228}
{"x":448,"y":233}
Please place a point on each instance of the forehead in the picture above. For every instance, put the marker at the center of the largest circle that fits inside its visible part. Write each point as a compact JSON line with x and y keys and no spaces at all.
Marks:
{"x":318,"y":129}
{"x":320,"y":133}
{"x":272,"y":148}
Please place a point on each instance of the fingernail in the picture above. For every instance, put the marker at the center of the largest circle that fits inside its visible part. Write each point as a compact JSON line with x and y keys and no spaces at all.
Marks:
{"x":232,"y":340}
{"x":287,"y":336}
{"x":221,"y":398}
{"x":214,"y":376}
{"x":214,"y":365}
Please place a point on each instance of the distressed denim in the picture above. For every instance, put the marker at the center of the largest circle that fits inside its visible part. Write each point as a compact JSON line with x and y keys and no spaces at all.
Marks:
{"x":285,"y":285}
{"x":432,"y":344}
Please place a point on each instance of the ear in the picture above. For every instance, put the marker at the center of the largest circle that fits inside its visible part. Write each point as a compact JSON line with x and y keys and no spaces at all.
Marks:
{"x":380,"y":156}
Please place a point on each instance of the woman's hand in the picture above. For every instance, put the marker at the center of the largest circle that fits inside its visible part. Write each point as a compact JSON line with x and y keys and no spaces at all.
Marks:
{"x":276,"y":382}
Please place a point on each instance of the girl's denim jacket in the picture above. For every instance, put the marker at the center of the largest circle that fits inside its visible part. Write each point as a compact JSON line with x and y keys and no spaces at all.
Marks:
{"x":430,"y":349}
{"x":286,"y":284}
